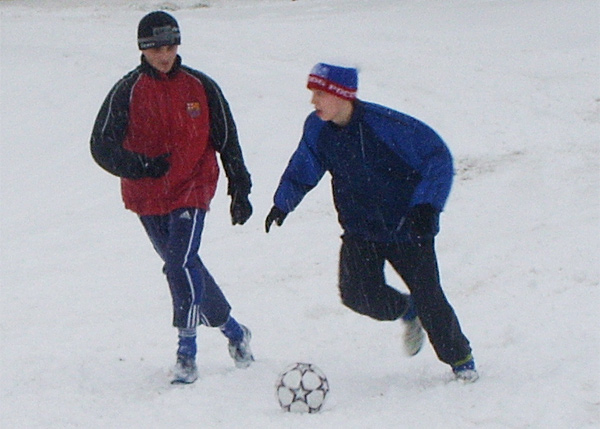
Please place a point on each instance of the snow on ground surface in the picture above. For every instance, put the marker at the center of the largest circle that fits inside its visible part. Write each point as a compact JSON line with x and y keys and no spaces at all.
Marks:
{"x":512,"y":86}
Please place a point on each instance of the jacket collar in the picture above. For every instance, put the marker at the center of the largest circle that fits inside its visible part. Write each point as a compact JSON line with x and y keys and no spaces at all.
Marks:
{"x":357,"y":114}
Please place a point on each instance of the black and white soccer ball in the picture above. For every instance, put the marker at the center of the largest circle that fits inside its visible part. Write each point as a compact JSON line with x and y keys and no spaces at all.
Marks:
{"x":302,"y":388}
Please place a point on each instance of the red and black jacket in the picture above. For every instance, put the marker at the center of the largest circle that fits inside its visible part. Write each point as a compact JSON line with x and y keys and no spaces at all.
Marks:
{"x":183,"y":114}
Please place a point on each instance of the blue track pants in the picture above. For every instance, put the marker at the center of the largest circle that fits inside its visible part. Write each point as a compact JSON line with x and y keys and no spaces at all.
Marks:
{"x":197,"y":299}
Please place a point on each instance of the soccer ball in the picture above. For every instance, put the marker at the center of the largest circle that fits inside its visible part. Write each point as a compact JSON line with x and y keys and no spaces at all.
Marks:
{"x":302,"y":388}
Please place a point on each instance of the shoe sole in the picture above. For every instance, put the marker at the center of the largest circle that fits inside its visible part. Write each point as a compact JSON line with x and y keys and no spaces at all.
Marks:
{"x":469,"y":376}
{"x":183,"y":381}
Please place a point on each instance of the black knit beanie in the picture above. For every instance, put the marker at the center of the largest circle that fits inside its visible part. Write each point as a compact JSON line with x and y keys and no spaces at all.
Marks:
{"x":158,"y":29}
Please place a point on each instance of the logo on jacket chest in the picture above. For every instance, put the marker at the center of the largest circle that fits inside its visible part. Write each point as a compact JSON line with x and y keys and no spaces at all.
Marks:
{"x":193,"y":109}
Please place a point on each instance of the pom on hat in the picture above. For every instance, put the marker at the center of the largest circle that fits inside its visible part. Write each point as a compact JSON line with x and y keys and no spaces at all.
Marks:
{"x":339,"y":81}
{"x":158,"y":29}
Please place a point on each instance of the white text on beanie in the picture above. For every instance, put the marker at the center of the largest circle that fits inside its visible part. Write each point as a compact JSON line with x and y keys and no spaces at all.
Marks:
{"x":339,"y":81}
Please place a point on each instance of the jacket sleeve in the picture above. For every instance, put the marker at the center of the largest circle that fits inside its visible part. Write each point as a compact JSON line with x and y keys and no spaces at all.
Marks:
{"x":303,"y":172}
{"x":224,"y":137}
{"x":418,"y":145}
{"x":434,"y":163}
{"x":110,"y":129}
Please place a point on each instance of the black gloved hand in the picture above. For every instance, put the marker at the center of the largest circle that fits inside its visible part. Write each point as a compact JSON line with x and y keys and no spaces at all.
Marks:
{"x":240,"y":209}
{"x":422,"y":221}
{"x":155,"y":167}
{"x":275,"y":215}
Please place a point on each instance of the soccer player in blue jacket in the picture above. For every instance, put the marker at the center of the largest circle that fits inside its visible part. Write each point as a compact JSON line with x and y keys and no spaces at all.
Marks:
{"x":391,"y":175}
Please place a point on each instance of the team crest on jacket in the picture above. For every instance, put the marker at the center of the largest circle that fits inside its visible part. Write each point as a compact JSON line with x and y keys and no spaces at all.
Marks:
{"x":193,"y":109}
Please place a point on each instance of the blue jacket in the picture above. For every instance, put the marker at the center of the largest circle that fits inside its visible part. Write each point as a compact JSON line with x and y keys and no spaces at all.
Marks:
{"x":382,"y":164}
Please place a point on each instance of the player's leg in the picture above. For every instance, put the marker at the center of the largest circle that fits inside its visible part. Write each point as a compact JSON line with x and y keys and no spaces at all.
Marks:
{"x":209,"y":305}
{"x":159,"y":229}
{"x":417,"y":265}
{"x":362,"y":282}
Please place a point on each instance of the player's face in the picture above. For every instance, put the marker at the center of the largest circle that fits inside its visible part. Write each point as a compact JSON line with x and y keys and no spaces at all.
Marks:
{"x":331,"y":108}
{"x":161,"y":58}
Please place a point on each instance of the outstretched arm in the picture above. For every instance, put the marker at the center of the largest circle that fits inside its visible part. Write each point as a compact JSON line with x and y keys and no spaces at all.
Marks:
{"x":224,"y":137}
{"x":303,"y":173}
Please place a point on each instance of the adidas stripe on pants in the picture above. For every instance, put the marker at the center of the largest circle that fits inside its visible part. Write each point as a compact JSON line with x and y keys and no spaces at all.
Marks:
{"x":197,"y":299}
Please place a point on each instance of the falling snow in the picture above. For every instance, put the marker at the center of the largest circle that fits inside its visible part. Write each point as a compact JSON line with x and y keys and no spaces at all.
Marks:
{"x":512,"y":86}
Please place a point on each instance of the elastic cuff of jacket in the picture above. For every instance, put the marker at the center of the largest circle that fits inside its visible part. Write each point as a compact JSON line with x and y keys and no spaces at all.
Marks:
{"x":281,"y":210}
{"x":463,"y":361}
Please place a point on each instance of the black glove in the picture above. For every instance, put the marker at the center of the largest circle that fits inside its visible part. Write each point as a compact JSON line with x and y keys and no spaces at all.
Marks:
{"x":240,"y":209}
{"x":275,"y":215}
{"x":423,"y":221}
{"x":155,"y":167}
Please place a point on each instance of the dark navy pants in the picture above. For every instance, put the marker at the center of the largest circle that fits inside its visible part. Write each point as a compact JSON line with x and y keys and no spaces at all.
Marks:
{"x":364,"y":290}
{"x":197,"y":299}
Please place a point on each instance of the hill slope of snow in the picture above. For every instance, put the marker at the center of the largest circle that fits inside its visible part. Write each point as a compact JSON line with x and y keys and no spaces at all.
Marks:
{"x":85,"y":315}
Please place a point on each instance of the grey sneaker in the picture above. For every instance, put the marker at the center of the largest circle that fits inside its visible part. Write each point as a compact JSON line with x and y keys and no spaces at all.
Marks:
{"x":413,"y":336}
{"x":185,"y":370}
{"x":467,"y":375}
{"x":240,"y":352}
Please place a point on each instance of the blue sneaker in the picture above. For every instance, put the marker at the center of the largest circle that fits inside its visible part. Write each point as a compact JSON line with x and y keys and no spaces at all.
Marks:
{"x":185,"y":370}
{"x":466,"y":371}
{"x":240,"y":351}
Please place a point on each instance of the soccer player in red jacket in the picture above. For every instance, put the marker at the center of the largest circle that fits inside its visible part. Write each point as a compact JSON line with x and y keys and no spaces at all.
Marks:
{"x":159,"y":130}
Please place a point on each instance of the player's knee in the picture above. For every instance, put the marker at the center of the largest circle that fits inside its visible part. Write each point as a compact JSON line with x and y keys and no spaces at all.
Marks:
{"x":355,"y":302}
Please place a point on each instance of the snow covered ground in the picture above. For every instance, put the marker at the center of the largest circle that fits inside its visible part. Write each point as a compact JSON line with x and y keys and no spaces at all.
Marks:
{"x":512,"y":86}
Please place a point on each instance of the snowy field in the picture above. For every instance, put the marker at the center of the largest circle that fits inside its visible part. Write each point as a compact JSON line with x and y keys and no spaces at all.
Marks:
{"x":512,"y":86}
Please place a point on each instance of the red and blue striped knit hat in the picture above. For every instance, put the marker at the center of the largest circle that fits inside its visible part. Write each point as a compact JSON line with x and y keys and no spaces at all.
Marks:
{"x":339,"y":81}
